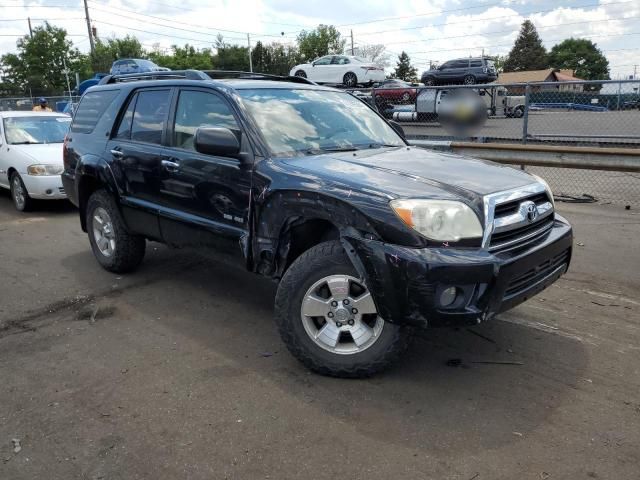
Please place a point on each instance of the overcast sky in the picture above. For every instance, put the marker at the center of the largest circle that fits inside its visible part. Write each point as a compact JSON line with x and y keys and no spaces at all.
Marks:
{"x":427,"y":29}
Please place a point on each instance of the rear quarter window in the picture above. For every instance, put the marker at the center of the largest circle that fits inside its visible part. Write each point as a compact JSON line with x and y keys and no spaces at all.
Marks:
{"x":90,"y":110}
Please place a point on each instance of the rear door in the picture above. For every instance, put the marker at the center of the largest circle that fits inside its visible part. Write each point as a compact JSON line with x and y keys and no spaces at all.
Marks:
{"x":136,"y":150}
{"x":205,"y":198}
{"x":339,"y":66}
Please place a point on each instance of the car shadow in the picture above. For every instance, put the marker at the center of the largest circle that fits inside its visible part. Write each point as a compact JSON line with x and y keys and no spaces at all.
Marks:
{"x":476,"y":388}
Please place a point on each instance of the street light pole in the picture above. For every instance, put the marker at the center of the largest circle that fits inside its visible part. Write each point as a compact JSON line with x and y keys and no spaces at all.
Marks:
{"x":250,"y":60}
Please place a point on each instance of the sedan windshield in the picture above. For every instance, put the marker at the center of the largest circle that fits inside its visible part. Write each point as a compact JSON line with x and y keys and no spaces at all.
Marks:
{"x":315,"y":121}
{"x":35,"y":129}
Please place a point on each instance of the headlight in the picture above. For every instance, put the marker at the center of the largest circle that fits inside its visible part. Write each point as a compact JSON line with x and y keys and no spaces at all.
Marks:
{"x":440,"y":220}
{"x":546,"y":185}
{"x":45,"y":169}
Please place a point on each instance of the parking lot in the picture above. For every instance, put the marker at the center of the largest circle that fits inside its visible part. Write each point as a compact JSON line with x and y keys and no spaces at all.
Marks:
{"x":177,"y":371}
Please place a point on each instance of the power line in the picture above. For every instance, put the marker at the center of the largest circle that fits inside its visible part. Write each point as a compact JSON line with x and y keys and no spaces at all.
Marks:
{"x":40,"y":19}
{"x":490,"y":18}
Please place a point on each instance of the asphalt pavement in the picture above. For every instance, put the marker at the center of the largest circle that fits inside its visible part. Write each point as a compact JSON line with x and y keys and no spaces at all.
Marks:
{"x":177,"y":371}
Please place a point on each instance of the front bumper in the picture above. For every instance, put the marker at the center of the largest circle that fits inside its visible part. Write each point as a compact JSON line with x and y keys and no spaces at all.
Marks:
{"x":406,"y":283}
{"x":45,"y":187}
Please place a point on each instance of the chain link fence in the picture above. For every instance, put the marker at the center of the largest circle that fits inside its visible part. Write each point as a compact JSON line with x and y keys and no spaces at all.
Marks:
{"x":593,"y":114}
{"x":57,"y":103}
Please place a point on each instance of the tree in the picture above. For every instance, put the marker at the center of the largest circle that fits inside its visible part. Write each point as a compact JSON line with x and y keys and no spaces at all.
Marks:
{"x":376,"y":53}
{"x":582,"y":56}
{"x":528,"y":53}
{"x":322,"y":41}
{"x":404,"y":70}
{"x":230,"y":57}
{"x":274,"y":58}
{"x":183,"y":58}
{"x":106,"y":53}
{"x":39,"y":64}
{"x":498,"y":61}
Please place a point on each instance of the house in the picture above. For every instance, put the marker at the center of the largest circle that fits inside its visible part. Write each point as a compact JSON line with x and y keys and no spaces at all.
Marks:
{"x":555,"y":75}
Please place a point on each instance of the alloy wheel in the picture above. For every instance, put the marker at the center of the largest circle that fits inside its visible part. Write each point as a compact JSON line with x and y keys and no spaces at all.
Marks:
{"x":19,"y":194}
{"x":339,"y":315}
{"x":103,"y":233}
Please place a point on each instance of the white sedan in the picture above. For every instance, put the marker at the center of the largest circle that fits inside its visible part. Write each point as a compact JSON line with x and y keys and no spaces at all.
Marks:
{"x":340,"y":69}
{"x":31,"y":155}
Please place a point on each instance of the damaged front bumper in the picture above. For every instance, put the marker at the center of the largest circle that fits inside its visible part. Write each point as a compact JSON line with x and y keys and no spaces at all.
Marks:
{"x":414,"y":286}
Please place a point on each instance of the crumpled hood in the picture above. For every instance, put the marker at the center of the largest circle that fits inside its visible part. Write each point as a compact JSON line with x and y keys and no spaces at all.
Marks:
{"x":414,"y":172}
{"x":46,"y":153}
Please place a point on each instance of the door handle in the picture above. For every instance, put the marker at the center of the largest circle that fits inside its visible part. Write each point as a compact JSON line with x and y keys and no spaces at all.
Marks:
{"x":117,"y":153}
{"x":170,"y":166}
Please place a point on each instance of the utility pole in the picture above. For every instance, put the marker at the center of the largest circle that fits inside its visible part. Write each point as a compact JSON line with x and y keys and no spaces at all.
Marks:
{"x":89,"y":31}
{"x":352,"y":43}
{"x":250,"y":60}
{"x":635,"y":71}
{"x":30,"y":29}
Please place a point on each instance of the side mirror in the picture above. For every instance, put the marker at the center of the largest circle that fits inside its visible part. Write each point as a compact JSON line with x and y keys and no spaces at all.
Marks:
{"x":398,"y":128}
{"x":217,"y":141}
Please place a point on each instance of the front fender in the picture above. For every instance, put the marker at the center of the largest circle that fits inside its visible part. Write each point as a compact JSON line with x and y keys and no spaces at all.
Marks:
{"x":92,"y":173}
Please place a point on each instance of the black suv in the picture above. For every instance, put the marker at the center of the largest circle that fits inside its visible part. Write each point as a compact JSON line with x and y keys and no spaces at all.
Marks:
{"x":467,"y":71}
{"x":367,"y":236}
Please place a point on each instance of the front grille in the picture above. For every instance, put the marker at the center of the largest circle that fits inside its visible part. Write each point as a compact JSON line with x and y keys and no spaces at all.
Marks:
{"x":513,"y":230}
{"x":525,"y":281}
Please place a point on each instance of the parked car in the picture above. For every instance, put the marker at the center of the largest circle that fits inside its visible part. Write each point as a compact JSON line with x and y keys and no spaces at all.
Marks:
{"x":340,"y":69}
{"x":31,"y":155}
{"x":368,"y":237}
{"x":135,"y":65}
{"x":468,"y":71}
{"x":631,"y":105}
{"x":394,"y":92}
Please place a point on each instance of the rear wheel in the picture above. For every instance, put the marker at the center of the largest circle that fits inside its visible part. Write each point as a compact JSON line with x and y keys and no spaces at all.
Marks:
{"x":114,"y":247}
{"x":350,"y":80}
{"x":469,"y":80}
{"x":301,"y":74}
{"x":21,"y":199}
{"x":429,"y":81}
{"x":328,"y":320}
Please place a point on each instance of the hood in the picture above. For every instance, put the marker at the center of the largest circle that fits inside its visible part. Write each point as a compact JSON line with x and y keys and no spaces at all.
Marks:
{"x":49,"y":153}
{"x":403,"y":172}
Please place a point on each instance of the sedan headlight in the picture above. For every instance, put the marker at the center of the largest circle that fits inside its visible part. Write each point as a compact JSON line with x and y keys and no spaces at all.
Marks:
{"x":40,"y":169}
{"x":439,"y":220}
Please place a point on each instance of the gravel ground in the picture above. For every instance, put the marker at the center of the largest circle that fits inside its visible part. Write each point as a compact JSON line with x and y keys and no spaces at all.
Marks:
{"x":176,"y":371}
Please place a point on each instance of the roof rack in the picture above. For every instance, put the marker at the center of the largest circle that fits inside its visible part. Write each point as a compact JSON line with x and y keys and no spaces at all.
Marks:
{"x":199,"y":75}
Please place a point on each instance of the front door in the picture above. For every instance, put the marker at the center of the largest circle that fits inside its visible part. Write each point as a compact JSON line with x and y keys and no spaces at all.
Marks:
{"x":321,"y":69}
{"x":197,"y":189}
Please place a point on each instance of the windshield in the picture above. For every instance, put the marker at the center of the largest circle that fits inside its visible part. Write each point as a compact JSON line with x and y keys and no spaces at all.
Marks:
{"x":312,"y":121}
{"x":35,"y":129}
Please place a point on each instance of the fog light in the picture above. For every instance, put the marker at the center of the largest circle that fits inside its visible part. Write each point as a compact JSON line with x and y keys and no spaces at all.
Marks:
{"x":448,"y":296}
{"x":49,"y":192}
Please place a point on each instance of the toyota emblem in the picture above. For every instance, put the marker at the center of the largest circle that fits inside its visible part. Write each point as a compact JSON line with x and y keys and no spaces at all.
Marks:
{"x":531,"y":211}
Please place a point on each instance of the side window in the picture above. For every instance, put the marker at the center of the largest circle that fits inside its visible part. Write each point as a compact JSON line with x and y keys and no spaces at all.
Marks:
{"x":199,"y":109}
{"x":149,"y":116}
{"x":476,"y":63}
{"x":124,"y":130}
{"x":91,"y":108}
{"x":324,"y":60}
{"x":460,"y":64}
{"x":446,"y":66}
{"x":337,"y":60}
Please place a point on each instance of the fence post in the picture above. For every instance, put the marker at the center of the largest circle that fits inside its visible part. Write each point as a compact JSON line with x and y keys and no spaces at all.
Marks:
{"x":525,"y":117}
{"x":619,"y":92}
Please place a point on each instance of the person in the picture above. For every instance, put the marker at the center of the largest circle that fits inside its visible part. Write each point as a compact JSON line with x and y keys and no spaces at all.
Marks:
{"x":42,"y":106}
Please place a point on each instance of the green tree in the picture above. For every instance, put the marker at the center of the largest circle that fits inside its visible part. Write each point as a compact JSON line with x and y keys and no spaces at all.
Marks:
{"x":498,"y":61}
{"x":322,"y":41}
{"x":582,"y":56}
{"x":527,"y":53}
{"x":106,"y":53}
{"x":230,"y":57}
{"x":274,"y":58}
{"x":404,"y":70}
{"x":184,"y":58}
{"x":38,"y":66}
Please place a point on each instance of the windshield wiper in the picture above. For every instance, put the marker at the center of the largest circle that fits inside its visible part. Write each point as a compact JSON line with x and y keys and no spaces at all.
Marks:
{"x":26,"y":143}
{"x":339,"y":149}
{"x":382,"y":145}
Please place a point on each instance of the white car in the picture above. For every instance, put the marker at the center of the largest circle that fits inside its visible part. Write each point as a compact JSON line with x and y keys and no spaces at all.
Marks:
{"x":340,"y":69}
{"x":31,"y":155}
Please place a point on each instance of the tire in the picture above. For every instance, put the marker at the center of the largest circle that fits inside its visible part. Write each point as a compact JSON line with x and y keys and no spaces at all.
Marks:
{"x":301,"y":74}
{"x":469,"y":80}
{"x":19,"y":194}
{"x":429,"y":81}
{"x":381,"y":343}
{"x":113,"y":246}
{"x":518,"y":112}
{"x":350,"y":80}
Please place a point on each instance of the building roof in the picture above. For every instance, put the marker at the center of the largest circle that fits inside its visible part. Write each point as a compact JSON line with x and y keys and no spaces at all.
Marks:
{"x":548,"y":75}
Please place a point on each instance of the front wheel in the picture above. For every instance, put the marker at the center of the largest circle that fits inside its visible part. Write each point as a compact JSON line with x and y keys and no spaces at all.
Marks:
{"x":518,"y":112}
{"x":301,"y":74}
{"x":19,"y":194}
{"x":429,"y":81}
{"x":328,"y":320}
{"x":350,"y":80}
{"x":114,"y":247}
